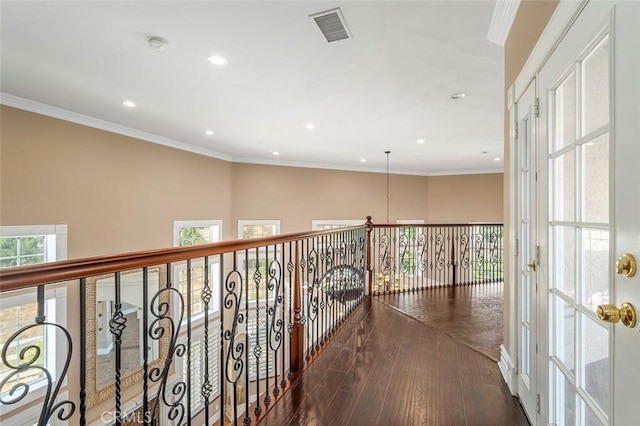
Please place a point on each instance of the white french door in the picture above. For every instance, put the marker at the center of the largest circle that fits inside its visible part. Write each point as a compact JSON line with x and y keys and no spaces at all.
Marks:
{"x":589,"y":214}
{"x":527,"y":359}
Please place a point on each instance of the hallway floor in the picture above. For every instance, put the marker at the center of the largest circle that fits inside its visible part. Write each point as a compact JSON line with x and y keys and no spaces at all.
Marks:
{"x":470,"y":314}
{"x":386,"y":368}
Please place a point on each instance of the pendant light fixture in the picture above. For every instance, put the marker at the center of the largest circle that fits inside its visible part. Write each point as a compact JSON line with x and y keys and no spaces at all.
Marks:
{"x":387,"y":154}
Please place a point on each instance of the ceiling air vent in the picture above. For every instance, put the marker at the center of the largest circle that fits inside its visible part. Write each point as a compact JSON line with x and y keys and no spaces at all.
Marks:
{"x":332,"y":25}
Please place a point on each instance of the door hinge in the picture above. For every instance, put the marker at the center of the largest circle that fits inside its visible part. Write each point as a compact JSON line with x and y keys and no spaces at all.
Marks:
{"x":536,"y":108}
{"x":538,"y":403}
{"x":515,"y":130}
{"x":517,"y":247}
{"x":536,"y":348}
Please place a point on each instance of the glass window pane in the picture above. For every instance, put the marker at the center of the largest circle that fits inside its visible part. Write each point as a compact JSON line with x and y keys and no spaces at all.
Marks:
{"x":595,"y":267}
{"x":31,"y":245}
{"x":258,"y":231}
{"x":596,"y":180}
{"x":564,"y":193}
{"x":8,"y":247}
{"x":524,"y":362}
{"x":565,"y":401}
{"x":590,"y":418}
{"x":564,"y":345}
{"x":565,"y":109}
{"x":596,"y":88}
{"x":596,"y":362}
{"x":564,"y":249}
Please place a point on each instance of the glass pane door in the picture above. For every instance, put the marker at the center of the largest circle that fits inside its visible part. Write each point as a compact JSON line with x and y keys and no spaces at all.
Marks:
{"x":579,"y":229}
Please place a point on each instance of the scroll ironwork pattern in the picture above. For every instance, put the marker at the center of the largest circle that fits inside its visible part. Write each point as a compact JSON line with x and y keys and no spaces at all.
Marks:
{"x":30,"y":357}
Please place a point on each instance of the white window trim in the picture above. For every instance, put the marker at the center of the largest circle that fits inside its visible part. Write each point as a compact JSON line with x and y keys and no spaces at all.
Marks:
{"x":242,"y":223}
{"x":55,"y":298}
{"x":179,"y":224}
{"x":55,"y":250}
{"x":213,"y":261}
{"x":317,"y":223}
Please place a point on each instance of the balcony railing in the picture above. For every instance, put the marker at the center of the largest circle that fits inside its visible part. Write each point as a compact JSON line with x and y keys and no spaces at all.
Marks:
{"x":211,"y":333}
{"x":411,"y":257}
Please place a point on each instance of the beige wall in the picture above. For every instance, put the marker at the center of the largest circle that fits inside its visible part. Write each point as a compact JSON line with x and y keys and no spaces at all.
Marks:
{"x":116,"y":194}
{"x":119,"y":194}
{"x":262,"y":192}
{"x":530,"y":21}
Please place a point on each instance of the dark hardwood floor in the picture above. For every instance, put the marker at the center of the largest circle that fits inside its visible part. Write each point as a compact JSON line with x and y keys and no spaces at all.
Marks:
{"x":470,"y":314}
{"x":386,"y":368}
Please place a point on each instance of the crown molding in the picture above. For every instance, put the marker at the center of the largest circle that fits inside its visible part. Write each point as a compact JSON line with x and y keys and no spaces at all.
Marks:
{"x":85,"y":120}
{"x":504,"y":13}
{"x":264,"y":162}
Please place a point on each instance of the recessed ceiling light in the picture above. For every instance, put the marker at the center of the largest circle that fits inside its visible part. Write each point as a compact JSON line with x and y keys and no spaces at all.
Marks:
{"x":276,"y":153}
{"x":420,"y":141}
{"x":157,"y":43}
{"x":363,"y":160}
{"x":456,"y":96}
{"x":218,"y":60}
{"x":311,"y":126}
{"x":209,"y":133}
{"x":590,"y":143}
{"x":129,"y":104}
{"x":496,"y":159}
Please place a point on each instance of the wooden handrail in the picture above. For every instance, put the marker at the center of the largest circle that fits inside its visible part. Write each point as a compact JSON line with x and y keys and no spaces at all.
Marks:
{"x":431,"y":225}
{"x":47,"y":273}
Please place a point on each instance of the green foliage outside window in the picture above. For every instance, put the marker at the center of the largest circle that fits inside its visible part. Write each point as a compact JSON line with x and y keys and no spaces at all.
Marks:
{"x":19,"y":251}
{"x":191,"y":236}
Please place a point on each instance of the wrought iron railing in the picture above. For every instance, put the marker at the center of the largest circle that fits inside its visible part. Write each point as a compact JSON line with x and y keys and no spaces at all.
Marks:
{"x":211,"y":333}
{"x":192,"y":335}
{"x":411,"y":257}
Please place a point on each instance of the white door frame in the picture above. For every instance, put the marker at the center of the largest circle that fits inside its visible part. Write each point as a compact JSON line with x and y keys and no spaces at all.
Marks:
{"x":565,"y":14}
{"x":624,"y":289}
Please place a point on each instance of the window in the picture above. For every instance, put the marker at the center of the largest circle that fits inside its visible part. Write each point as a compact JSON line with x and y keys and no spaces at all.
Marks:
{"x":319,"y":225}
{"x":30,"y":245}
{"x":257,"y":228}
{"x":188,"y":233}
{"x":257,"y":261}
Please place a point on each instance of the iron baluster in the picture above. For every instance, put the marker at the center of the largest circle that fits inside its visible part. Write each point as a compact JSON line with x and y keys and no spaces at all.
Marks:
{"x":83,"y":351}
{"x":163,"y":323}
{"x":145,"y":342}
{"x":117,"y":325}
{"x":205,"y":296}
{"x":29,"y":357}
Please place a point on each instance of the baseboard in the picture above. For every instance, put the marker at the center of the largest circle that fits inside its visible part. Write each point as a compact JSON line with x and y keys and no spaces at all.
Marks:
{"x":507,"y":369}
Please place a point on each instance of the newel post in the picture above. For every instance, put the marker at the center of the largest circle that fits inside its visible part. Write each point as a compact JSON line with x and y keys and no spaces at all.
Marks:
{"x":297,"y":337}
{"x":369,"y":272}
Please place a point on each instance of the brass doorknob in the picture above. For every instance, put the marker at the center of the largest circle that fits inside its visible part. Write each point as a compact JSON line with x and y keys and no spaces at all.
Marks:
{"x":532,"y":265}
{"x":611,"y":313}
{"x":626,"y":265}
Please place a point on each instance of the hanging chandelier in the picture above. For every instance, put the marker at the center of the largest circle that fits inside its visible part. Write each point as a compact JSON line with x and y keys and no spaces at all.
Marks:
{"x":387,"y":277}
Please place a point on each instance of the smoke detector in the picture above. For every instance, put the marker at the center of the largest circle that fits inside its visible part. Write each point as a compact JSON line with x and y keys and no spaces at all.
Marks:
{"x":157,"y":43}
{"x":332,"y":25}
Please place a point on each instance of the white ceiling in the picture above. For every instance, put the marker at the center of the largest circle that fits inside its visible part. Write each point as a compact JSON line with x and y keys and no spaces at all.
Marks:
{"x":382,"y":90}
